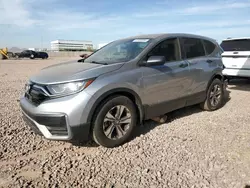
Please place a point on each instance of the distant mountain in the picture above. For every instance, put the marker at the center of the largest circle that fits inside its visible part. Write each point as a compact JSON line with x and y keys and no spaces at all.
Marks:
{"x":16,"y":49}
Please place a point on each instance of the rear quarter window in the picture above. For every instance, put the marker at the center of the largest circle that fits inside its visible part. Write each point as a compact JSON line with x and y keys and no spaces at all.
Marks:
{"x":209,"y":47}
{"x":192,"y":48}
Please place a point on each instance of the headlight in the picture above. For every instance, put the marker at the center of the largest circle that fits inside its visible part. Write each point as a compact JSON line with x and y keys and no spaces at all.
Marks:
{"x":68,"y":88}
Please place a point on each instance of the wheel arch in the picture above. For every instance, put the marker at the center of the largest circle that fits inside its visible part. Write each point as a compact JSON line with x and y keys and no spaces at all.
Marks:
{"x":132,"y":95}
{"x":215,"y":75}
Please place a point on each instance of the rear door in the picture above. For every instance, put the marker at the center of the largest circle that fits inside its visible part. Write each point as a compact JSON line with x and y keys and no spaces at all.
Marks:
{"x":236,"y":54}
{"x":201,"y":63}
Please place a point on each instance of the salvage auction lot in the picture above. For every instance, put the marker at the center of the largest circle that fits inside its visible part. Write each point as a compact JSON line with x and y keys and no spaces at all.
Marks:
{"x":194,"y":148}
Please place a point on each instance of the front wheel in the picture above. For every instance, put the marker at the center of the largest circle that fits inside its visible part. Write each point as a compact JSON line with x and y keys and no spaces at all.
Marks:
{"x":215,"y":94}
{"x":114,"y":121}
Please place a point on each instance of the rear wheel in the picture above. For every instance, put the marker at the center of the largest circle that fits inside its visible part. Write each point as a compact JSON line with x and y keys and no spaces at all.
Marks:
{"x":114,"y":121}
{"x":215,"y":94}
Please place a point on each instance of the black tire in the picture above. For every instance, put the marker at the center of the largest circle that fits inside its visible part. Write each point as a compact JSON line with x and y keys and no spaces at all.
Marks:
{"x":208,"y":104}
{"x":98,"y":132}
{"x":44,"y":56}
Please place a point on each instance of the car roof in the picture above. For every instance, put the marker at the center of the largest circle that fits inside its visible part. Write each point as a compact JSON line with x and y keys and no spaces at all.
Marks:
{"x":165,"y":35}
{"x":240,"y":38}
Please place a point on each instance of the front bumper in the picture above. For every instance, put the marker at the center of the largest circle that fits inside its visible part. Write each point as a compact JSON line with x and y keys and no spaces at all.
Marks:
{"x":58,"y":119}
{"x":51,"y":126}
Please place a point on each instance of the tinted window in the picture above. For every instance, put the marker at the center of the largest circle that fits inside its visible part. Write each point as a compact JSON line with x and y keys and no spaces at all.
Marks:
{"x":236,"y":45}
{"x":168,"y":48}
{"x":209,"y":46}
{"x":192,"y":48}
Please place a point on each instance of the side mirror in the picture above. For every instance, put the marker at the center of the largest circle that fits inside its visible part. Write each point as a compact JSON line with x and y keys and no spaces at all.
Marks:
{"x":155,"y":60}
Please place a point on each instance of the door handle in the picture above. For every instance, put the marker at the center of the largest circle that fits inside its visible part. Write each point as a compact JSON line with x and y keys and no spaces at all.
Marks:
{"x":209,"y":61}
{"x":183,"y":65}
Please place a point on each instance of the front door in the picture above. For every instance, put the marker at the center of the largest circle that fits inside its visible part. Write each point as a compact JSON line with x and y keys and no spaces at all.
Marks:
{"x":165,"y":86}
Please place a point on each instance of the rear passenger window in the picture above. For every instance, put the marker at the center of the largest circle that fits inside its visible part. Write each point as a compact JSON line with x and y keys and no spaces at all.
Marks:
{"x":209,"y":46}
{"x":192,"y":48}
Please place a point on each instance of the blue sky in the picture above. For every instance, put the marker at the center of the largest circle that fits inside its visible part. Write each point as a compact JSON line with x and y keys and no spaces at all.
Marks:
{"x":34,"y":23}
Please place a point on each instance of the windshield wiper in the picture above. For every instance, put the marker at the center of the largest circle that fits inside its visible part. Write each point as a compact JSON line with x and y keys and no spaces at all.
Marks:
{"x":95,"y":62}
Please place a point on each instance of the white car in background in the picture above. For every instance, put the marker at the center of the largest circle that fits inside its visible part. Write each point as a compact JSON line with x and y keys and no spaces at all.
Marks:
{"x":236,"y":57}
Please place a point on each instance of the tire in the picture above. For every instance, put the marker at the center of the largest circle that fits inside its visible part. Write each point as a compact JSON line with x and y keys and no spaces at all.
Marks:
{"x":1,"y":57}
{"x":32,"y":56}
{"x":45,"y":56}
{"x":209,"y":104}
{"x":101,"y":122}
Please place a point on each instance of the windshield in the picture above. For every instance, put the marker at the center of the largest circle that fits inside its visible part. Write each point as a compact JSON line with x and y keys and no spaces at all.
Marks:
{"x":236,"y":45}
{"x":119,"y":51}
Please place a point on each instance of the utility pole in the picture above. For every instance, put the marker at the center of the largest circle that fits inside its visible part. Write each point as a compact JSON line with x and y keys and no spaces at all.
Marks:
{"x":41,"y":42}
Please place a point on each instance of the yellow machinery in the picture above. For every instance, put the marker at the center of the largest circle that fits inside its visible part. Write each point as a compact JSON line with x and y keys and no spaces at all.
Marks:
{"x":4,"y":53}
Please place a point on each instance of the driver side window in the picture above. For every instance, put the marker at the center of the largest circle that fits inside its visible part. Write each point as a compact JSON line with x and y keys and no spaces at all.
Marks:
{"x":168,"y":48}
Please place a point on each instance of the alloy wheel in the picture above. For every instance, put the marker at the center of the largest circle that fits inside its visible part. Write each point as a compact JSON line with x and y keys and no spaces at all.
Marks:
{"x":215,"y":95}
{"x":117,"y":122}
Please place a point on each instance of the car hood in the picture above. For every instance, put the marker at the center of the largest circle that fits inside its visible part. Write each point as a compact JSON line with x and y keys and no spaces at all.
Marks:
{"x":71,"y":71}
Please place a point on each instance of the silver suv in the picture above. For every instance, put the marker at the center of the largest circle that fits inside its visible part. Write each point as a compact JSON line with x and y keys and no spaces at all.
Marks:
{"x":106,"y":95}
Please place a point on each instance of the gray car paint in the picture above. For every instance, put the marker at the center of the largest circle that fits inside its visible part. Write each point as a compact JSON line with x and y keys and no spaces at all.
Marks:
{"x":153,"y":85}
{"x":72,"y":72}
{"x":201,"y":71}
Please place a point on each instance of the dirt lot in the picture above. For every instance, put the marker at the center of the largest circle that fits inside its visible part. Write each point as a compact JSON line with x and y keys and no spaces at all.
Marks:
{"x":194,"y":149}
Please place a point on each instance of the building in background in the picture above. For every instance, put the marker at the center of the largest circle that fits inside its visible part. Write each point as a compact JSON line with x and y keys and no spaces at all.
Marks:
{"x":71,"y":45}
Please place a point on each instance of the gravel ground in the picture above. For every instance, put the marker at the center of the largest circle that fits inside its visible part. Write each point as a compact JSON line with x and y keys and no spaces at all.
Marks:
{"x":193,"y":149}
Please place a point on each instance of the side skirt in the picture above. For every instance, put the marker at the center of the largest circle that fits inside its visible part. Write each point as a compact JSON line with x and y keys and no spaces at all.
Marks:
{"x":169,"y":106}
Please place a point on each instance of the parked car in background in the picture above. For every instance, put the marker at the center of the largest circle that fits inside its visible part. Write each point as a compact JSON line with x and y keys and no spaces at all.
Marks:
{"x":236,"y":57}
{"x":84,"y":55}
{"x":32,"y":54}
{"x":117,"y":87}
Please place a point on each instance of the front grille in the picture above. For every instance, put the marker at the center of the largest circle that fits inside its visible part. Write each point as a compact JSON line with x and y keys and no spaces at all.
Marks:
{"x":36,"y":95}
